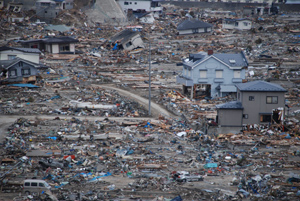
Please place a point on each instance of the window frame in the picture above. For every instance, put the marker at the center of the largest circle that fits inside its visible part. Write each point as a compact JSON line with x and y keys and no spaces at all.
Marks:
{"x":235,"y":74}
{"x":217,"y":74}
{"x":274,"y":100}
{"x":245,"y":116}
{"x":27,"y":70}
{"x":251,"y":98}
{"x":202,"y":71}
{"x":11,"y":56}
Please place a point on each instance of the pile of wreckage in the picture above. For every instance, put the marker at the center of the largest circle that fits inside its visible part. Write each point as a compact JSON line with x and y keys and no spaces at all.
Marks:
{"x":144,"y":159}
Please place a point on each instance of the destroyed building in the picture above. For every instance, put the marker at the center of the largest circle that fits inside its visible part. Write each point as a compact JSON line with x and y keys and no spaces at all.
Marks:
{"x":84,"y":130}
{"x":127,"y":40}
{"x":193,"y":27}
{"x":240,"y":24}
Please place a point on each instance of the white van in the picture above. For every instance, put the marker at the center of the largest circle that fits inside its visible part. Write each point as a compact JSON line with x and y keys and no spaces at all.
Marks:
{"x":35,"y":186}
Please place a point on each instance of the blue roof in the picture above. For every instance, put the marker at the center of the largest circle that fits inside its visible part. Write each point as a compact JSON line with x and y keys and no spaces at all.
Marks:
{"x":23,"y":85}
{"x":260,"y":86}
{"x":232,"y":60}
{"x":236,"y":105}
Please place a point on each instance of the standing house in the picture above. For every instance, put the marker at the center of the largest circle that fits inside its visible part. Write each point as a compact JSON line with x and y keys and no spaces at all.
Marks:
{"x":128,"y":40}
{"x":19,"y":71}
{"x":49,"y":9}
{"x":139,"y":5}
{"x":54,"y":45}
{"x":29,"y":54}
{"x":240,"y":24}
{"x":19,"y":64}
{"x":213,"y":75}
{"x":193,"y":27}
{"x":258,"y":102}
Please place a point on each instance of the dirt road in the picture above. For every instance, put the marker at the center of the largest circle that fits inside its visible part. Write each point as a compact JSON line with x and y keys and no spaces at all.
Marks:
{"x":156,"y":109}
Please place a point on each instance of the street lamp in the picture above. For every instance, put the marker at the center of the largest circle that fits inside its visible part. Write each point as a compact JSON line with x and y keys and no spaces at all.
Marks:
{"x":149,"y":78}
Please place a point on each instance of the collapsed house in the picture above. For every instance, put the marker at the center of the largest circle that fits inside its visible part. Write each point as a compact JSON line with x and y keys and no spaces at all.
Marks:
{"x":127,"y":40}
{"x":193,"y":27}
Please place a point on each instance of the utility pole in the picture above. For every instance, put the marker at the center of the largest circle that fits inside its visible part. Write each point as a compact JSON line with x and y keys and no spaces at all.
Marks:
{"x":149,"y":77}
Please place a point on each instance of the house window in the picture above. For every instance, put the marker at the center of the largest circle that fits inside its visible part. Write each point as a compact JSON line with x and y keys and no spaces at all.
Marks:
{"x":125,"y":3}
{"x":245,"y":116}
{"x":26,"y":71}
{"x":195,"y":30}
{"x":64,"y":48}
{"x":237,"y":74}
{"x":272,"y":99}
{"x":135,"y":3}
{"x":128,"y":44}
{"x":245,"y":24}
{"x":20,"y":63}
{"x":251,"y":98}
{"x":130,"y":2}
{"x":11,"y":57}
{"x":203,"y":74}
{"x":236,"y":24}
{"x":13,"y":73}
{"x":219,"y":74}
{"x":46,"y":11}
{"x":265,"y":118}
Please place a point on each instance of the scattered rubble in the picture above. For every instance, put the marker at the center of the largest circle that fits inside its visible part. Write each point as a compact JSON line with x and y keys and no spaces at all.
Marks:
{"x":96,"y":144}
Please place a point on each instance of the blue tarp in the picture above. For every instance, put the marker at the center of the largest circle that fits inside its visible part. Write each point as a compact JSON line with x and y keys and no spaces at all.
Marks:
{"x":210,"y":165}
{"x":23,"y":85}
{"x":178,"y":198}
{"x":116,"y":46}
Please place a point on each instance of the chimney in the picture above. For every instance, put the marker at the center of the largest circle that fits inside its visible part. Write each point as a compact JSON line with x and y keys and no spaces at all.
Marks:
{"x":210,"y":52}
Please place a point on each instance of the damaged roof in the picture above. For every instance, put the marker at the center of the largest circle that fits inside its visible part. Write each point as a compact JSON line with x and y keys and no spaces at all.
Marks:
{"x":260,"y":86}
{"x":124,"y":36}
{"x":192,"y":24}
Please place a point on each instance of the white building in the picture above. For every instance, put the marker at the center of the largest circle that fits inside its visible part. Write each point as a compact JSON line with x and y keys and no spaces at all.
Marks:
{"x":138,"y":5}
{"x":240,"y":24}
{"x":29,"y":54}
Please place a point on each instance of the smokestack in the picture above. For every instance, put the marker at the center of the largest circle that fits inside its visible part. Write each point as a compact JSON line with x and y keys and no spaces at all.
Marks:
{"x":210,"y":52}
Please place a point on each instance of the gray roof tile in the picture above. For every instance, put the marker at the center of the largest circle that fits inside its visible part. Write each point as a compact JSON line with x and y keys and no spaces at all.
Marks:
{"x":260,"y":86}
{"x":231,"y":105}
